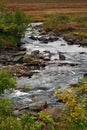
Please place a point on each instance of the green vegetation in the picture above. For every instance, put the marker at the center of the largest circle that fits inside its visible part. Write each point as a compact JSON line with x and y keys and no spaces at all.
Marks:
{"x":26,"y":88}
{"x":74,"y":113}
{"x":12,"y":26}
{"x":7,"y":81}
{"x":66,"y":24}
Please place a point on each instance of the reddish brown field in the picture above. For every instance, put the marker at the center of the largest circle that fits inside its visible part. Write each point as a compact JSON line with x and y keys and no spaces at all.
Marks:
{"x":38,"y":10}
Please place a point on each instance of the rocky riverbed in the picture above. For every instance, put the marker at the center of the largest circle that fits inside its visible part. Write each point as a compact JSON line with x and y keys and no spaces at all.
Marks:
{"x":44,"y":62}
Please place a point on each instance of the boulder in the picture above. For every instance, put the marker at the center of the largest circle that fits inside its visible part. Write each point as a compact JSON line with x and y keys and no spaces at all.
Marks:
{"x":38,"y":107}
{"x":61,"y":56}
{"x":27,"y":58}
{"x":35,"y":53}
{"x":33,"y":38}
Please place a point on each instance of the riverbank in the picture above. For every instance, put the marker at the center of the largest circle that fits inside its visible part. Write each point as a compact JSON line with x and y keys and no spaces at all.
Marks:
{"x":45,"y":61}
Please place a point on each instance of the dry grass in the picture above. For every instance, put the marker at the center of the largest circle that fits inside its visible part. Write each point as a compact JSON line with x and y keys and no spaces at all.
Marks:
{"x":39,"y":8}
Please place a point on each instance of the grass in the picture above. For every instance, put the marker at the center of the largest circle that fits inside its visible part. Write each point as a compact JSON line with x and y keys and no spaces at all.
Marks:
{"x":37,"y":8}
{"x":41,"y":11}
{"x":66,"y":23}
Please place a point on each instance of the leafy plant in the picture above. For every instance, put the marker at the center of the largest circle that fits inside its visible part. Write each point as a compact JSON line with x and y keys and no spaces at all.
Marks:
{"x":48,"y":122}
{"x":74,"y":113}
{"x":26,"y":87}
{"x":30,"y":123}
{"x":12,"y":25}
{"x":5,"y":107}
{"x":7,"y":81}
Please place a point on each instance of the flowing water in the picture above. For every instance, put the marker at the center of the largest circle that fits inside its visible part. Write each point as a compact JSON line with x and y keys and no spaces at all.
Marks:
{"x":56,"y":73}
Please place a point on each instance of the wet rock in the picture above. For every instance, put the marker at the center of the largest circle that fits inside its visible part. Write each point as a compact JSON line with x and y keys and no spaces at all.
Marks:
{"x":85,"y":75}
{"x":35,"y":53}
{"x":33,"y":38}
{"x":17,"y":59}
{"x":19,"y":53}
{"x":38,"y":107}
{"x":68,"y":63}
{"x":20,"y":44}
{"x":42,"y":32}
{"x":61,"y":56}
{"x":62,"y":44}
{"x":75,"y":39}
{"x":46,"y":55}
{"x":27,"y":58}
{"x":73,"y":64}
{"x":53,"y":38}
{"x":16,"y":113}
{"x":28,"y":74}
{"x":22,"y":49}
{"x":82,"y":52}
{"x":69,"y":38}
{"x":54,"y":112}
{"x":43,"y":39}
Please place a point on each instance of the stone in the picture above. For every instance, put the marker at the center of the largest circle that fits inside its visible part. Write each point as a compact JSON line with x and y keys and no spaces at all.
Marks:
{"x":42,"y":32}
{"x":17,"y":59}
{"x":33,"y":38}
{"x":54,"y":112}
{"x":61,"y":56}
{"x":38,"y":107}
{"x":20,"y":43}
{"x":53,"y":38}
{"x":16,"y":113}
{"x":35,"y":53}
{"x":27,"y":58}
{"x":85,"y":75}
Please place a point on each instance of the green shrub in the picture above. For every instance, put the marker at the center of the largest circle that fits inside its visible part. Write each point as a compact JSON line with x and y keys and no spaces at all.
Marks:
{"x":48,"y":122}
{"x":12,"y":25}
{"x":7,"y":120}
{"x":30,"y":123}
{"x":10,"y":123}
{"x":7,"y":81}
{"x":74,"y":112}
{"x":5,"y":107}
{"x":26,"y":88}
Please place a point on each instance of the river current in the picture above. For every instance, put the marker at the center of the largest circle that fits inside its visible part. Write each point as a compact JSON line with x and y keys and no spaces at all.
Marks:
{"x":56,"y":73}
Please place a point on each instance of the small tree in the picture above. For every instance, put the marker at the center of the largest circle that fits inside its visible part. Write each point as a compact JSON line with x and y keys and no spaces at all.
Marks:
{"x":12,"y":26}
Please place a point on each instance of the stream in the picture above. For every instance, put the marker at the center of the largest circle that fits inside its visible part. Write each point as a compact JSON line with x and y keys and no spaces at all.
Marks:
{"x":56,"y":73}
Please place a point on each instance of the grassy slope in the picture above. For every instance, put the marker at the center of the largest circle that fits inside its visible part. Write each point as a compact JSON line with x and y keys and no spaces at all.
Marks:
{"x":38,"y":9}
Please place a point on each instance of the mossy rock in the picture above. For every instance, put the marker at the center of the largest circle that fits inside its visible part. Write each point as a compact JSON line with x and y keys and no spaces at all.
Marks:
{"x":28,"y":59}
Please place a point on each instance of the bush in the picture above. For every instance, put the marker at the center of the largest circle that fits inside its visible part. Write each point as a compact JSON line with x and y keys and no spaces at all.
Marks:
{"x":47,"y":121}
{"x":5,"y":107}
{"x":12,"y":25}
{"x":7,"y":81}
{"x":74,"y":113}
